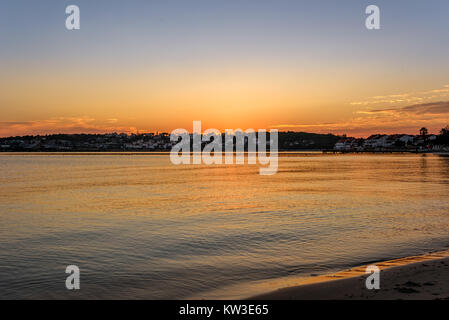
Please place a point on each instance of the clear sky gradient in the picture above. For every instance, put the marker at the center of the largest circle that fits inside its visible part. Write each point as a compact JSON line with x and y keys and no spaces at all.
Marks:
{"x":159,"y":65}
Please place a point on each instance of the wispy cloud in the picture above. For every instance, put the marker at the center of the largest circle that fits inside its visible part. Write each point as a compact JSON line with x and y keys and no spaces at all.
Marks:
{"x":62,"y":125}
{"x":410,"y":97}
{"x":440,"y":107}
{"x":405,"y":119}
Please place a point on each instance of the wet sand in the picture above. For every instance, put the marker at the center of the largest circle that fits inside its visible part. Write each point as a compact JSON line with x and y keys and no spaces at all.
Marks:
{"x":417,"y":277}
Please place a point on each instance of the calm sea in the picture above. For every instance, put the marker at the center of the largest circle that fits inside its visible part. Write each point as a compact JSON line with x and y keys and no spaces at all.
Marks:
{"x":139,"y":227}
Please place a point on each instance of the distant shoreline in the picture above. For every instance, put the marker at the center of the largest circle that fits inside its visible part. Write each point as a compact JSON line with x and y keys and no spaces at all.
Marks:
{"x":166,"y":152}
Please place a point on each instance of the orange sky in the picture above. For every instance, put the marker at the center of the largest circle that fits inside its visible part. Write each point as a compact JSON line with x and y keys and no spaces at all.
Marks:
{"x":220,"y":99}
{"x":291,"y":66}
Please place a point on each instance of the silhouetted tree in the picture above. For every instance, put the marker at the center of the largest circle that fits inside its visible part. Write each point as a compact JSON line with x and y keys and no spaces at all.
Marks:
{"x":424,"y":132}
{"x":443,"y":138}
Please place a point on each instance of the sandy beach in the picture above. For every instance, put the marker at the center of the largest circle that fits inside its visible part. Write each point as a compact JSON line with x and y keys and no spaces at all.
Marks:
{"x":418,"y":277}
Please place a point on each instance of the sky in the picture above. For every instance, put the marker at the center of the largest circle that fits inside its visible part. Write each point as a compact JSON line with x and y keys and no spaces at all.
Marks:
{"x":146,"y":66}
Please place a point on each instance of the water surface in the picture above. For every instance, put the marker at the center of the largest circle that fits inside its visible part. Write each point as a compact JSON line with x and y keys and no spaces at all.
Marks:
{"x":139,"y":227}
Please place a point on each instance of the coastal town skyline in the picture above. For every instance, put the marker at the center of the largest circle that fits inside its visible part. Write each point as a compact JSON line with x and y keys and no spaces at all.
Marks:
{"x":78,"y":131}
{"x":288,"y":141}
